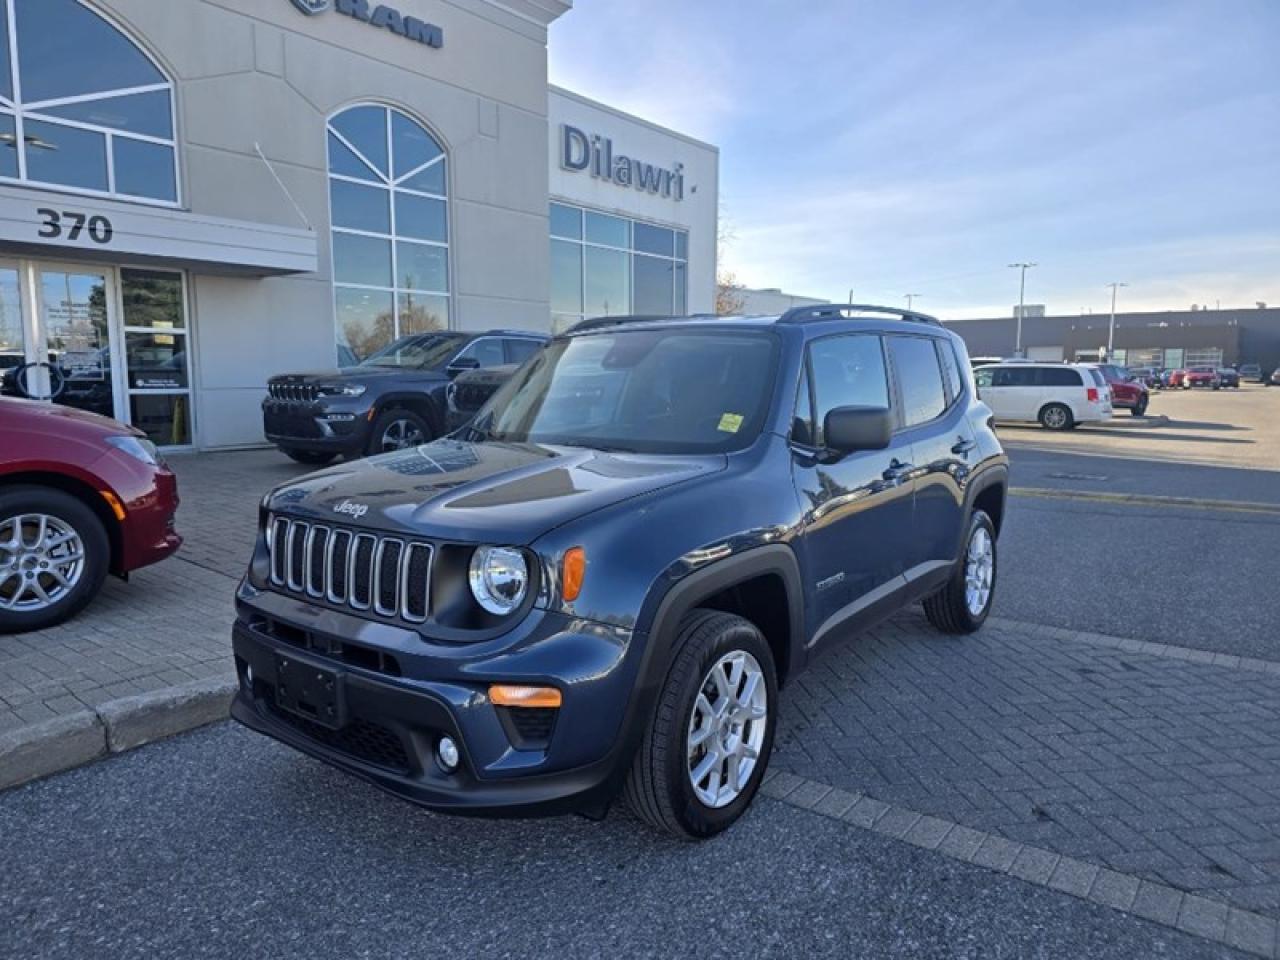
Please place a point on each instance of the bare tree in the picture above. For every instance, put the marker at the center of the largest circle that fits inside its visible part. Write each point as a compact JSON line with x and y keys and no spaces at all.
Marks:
{"x":729,"y":297}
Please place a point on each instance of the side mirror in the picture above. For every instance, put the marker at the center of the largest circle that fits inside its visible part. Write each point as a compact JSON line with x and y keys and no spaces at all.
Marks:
{"x":463,"y":364}
{"x":850,"y":429}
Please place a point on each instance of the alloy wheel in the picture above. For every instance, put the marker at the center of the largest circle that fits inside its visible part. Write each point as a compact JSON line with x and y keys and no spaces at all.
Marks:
{"x":979,"y":572}
{"x":727,"y":729}
{"x":401,"y":435}
{"x":42,"y":558}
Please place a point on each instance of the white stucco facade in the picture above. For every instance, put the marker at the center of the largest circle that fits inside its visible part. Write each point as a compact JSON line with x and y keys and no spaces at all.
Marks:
{"x":257,"y":87}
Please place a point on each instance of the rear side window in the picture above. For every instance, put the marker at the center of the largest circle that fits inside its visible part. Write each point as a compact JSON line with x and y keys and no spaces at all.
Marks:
{"x":915,"y":361}
{"x":518,"y":351}
{"x":950,"y":368}
{"x":1097,"y":377}
{"x":847,"y":371}
{"x":1061,"y":377}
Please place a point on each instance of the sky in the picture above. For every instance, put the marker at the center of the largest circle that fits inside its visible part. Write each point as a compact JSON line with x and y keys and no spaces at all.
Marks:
{"x":897,"y":147}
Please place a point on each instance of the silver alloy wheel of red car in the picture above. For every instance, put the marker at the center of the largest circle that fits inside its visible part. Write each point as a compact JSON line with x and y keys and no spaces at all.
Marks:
{"x":42,"y":558}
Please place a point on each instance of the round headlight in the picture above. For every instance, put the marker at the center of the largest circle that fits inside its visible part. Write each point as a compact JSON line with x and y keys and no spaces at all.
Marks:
{"x":499,"y":578}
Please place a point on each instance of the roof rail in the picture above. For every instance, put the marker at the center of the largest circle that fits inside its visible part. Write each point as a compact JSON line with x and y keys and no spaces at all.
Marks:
{"x":838,"y":311}
{"x":600,"y":323}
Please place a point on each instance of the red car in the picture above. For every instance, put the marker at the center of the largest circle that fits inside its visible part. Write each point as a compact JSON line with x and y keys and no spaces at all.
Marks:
{"x":1202,"y":377}
{"x":81,"y":496}
{"x":1127,"y":392}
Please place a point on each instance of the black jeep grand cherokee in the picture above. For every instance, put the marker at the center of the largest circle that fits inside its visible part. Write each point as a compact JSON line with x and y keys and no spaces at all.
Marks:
{"x":392,"y":400}
{"x":601,"y":583}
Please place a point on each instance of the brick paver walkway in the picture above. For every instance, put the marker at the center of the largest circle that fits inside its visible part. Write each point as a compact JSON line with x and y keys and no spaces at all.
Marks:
{"x":1149,"y":765}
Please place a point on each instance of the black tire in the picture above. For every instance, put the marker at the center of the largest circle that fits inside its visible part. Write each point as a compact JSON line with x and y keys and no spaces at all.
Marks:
{"x":387,"y":420}
{"x":1141,"y":409}
{"x":313,"y":458}
{"x":16,"y":501}
{"x":658,"y":788}
{"x":1056,"y":416}
{"x":948,"y":610}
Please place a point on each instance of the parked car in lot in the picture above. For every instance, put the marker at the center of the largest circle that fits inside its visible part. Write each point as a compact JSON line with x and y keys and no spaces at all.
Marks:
{"x":599,"y":586}
{"x":1251,"y":372}
{"x":1058,"y":396}
{"x":471,"y":390}
{"x":1274,"y":379}
{"x":1229,"y":378}
{"x":1147,"y":376}
{"x":1127,"y":391}
{"x":391,"y":400}
{"x":1201,"y":377}
{"x":1173,"y":378}
{"x":81,"y":496}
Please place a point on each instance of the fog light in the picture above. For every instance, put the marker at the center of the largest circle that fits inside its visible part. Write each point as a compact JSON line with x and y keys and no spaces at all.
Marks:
{"x":248,"y":678}
{"x":447,"y":754}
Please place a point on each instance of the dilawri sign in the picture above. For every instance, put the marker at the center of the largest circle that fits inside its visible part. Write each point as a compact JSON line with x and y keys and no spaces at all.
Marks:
{"x":380,"y":15}
{"x":580,"y":151}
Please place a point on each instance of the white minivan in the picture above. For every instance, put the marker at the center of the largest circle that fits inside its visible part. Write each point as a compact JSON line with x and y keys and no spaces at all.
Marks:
{"x":1056,"y":395}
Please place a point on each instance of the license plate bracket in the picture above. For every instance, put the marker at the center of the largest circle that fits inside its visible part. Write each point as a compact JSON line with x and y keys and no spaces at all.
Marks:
{"x":310,"y":691}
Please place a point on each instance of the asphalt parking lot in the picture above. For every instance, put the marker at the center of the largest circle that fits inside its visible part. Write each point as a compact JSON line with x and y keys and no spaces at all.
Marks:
{"x":1095,"y":774}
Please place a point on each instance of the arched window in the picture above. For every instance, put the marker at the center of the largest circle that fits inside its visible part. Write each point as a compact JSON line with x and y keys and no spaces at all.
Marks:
{"x":388,"y":190}
{"x":81,"y":106}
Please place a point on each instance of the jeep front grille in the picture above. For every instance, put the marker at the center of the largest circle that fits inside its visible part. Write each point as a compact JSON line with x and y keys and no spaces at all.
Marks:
{"x":387,"y":576}
{"x":283,"y":390}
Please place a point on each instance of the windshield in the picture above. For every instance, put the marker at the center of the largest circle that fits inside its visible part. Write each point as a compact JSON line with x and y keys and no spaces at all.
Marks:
{"x":643,"y":391}
{"x":420,"y":351}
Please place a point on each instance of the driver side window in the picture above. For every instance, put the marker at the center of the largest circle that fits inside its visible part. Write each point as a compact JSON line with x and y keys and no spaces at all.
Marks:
{"x":487,"y":352}
{"x":847,"y":371}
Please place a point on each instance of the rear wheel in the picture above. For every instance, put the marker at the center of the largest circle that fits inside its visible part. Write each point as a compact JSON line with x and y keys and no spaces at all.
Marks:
{"x":963,"y":605}
{"x":314,"y":458}
{"x":54,"y":555}
{"x":704,"y":755}
{"x":1056,"y":416}
{"x":398,"y":430}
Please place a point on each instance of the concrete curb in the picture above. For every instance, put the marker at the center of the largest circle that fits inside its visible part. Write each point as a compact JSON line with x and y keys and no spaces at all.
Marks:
{"x":63,"y":743}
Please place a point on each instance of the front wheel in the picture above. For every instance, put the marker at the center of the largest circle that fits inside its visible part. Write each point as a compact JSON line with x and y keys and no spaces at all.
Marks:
{"x":54,"y":555}
{"x":1141,"y":408}
{"x":398,"y":430}
{"x":704,"y":754}
{"x":963,"y":605}
{"x":1056,"y":416}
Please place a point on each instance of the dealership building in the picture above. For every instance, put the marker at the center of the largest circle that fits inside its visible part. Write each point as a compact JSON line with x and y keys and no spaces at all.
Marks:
{"x":198,"y":194}
{"x":1165,"y":339}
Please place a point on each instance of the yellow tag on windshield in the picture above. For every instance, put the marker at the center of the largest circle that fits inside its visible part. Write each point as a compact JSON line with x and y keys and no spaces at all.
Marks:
{"x":730,"y":423}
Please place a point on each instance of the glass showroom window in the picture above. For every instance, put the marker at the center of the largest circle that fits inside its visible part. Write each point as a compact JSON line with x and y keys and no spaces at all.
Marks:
{"x":81,"y":106}
{"x":603,"y":265}
{"x":388,"y":190}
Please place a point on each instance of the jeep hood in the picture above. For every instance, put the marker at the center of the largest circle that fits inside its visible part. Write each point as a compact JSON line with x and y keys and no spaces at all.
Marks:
{"x":482,"y":492}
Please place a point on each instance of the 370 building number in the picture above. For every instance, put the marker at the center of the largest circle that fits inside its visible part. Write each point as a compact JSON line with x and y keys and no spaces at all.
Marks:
{"x":72,"y":224}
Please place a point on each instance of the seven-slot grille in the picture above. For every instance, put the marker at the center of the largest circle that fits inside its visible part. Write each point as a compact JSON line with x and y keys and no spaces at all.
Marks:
{"x":386,"y":575}
{"x":282,"y":390}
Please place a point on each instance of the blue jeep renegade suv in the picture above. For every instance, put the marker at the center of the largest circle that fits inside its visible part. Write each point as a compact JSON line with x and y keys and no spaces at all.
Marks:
{"x":599,"y":585}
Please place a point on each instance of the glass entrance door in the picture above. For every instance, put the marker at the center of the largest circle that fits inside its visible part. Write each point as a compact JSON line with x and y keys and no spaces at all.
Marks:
{"x":73,"y":327}
{"x":13,"y":328}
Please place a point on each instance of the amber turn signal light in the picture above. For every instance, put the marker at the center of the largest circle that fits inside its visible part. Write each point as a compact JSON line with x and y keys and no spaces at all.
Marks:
{"x":511,"y":695}
{"x":114,"y":503}
{"x":573,"y":572}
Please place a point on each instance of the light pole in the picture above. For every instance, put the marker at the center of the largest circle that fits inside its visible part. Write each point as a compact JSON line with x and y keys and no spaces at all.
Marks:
{"x":1022,"y":301}
{"x":1111,"y":328}
{"x":911,"y":299}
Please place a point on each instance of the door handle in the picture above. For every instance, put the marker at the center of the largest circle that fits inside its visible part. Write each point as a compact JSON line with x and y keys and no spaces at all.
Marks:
{"x":963,"y":447}
{"x":897,"y":472}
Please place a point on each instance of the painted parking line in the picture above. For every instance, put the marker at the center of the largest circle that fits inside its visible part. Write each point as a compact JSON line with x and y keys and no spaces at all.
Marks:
{"x":1209,"y":919}
{"x":1147,"y":500}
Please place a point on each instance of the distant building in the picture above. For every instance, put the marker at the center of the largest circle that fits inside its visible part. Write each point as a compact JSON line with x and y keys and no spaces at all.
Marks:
{"x":1169,"y":339}
{"x":1030,"y":310}
{"x":769,"y":301}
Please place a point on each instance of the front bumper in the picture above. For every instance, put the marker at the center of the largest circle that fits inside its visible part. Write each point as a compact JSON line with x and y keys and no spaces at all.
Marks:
{"x":317,"y":426}
{"x":393,"y":724}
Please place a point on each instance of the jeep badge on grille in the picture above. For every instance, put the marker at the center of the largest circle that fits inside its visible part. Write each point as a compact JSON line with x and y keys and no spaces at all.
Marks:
{"x":354,"y":510}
